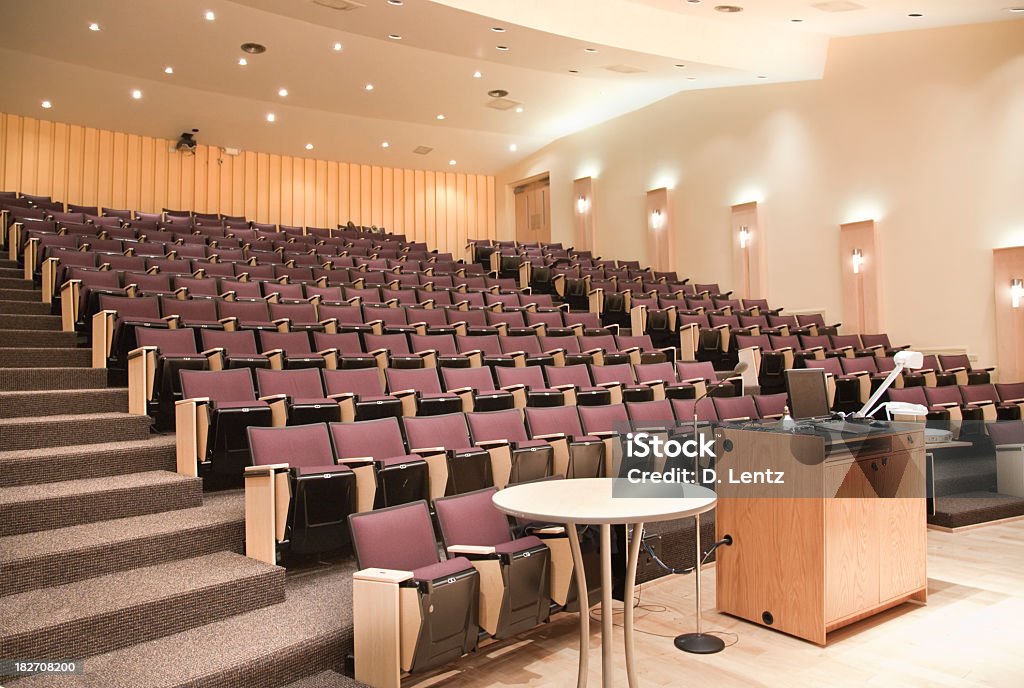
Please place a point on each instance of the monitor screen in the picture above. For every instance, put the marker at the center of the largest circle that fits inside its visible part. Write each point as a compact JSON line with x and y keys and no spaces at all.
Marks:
{"x":807,"y":393}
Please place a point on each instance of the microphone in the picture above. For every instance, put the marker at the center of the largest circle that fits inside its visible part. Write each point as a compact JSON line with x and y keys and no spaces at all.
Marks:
{"x":740,"y":368}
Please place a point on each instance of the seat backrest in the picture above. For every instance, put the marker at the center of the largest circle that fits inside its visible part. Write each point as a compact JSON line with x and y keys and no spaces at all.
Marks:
{"x":218,"y":385}
{"x":689,"y":370}
{"x":611,"y":418}
{"x":497,"y":425}
{"x":139,"y":307}
{"x":869,"y":340}
{"x":1009,"y":432}
{"x":948,"y":361}
{"x":419,"y":379}
{"x":394,"y":343}
{"x":909,"y":395}
{"x":743,"y":341}
{"x":649,"y":372}
{"x":839,"y":341}
{"x":379,"y":439}
{"x":298,"y":313}
{"x":363,"y":382}
{"x":1010,"y":391}
{"x":247,"y":312}
{"x":344,"y":342}
{"x":621,"y":372}
{"x":531,"y":376}
{"x":292,"y":343}
{"x":487,"y":344}
{"x":601,"y":341}
{"x":972,"y":394}
{"x":569,"y":343}
{"x":771,"y":404}
{"x":296,"y":445}
{"x":180,"y":342}
{"x":479,"y":379}
{"x":448,"y":431}
{"x":810,"y":341}
{"x":948,"y":394}
{"x":735,"y":407}
{"x":683,"y":408}
{"x":237,"y":343}
{"x":811,"y":319}
{"x":578,"y":375}
{"x":443,"y":344}
{"x":553,"y":419}
{"x":642,"y":342}
{"x":472,"y":519}
{"x":647,"y":414}
{"x":829,"y":365}
{"x":399,"y":537}
{"x":782,"y":341}
{"x":860,"y":364}
{"x":303,"y":383}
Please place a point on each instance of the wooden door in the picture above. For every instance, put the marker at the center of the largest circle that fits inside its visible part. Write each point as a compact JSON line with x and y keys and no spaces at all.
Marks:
{"x":533,"y":212}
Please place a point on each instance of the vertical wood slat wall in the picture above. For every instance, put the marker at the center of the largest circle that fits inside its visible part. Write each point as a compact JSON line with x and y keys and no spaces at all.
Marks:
{"x":90,"y":166}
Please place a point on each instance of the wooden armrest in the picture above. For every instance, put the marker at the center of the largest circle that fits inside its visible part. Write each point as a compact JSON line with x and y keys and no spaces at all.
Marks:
{"x":141,"y":351}
{"x":341,"y":396}
{"x":268,"y":468}
{"x":428,"y":450}
{"x":470,"y":549}
{"x":382,"y":576}
{"x":493,"y":443}
{"x":551,"y":436}
{"x":403,"y":393}
{"x":270,"y":398}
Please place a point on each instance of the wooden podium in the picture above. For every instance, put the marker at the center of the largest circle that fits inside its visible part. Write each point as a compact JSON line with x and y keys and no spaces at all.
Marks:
{"x":843,"y":538}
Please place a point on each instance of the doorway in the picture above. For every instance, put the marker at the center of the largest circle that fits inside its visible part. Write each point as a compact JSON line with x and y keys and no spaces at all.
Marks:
{"x":533,"y":210}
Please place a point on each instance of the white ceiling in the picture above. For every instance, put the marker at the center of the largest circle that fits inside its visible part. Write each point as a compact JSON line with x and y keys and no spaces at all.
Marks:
{"x":50,"y":54}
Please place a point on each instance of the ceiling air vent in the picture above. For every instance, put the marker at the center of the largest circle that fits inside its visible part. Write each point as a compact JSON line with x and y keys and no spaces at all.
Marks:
{"x":837,"y":6}
{"x":340,"y":5}
{"x":624,"y":69}
{"x":422,"y":150}
{"x":502,"y":104}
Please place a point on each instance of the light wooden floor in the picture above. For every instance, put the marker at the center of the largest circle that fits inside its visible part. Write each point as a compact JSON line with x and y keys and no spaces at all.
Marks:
{"x":970,"y":634}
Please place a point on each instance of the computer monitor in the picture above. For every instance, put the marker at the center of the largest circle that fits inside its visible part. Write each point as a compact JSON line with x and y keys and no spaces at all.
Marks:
{"x":808,"y":393}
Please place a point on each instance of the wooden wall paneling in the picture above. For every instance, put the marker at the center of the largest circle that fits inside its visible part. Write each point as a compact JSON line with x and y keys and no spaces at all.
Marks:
{"x":441,"y":212}
{"x":461,"y":229}
{"x":90,"y":160}
{"x":452,"y":213}
{"x":133,"y":172}
{"x":387,"y":192}
{"x":187,"y":200}
{"x":331,"y":217}
{"x":321,"y":193}
{"x":200,"y":168}
{"x":213,"y":167}
{"x":119,"y":174}
{"x":172,"y":194}
{"x":3,"y":153}
{"x":308,"y":192}
{"x":354,"y":197}
{"x":429,"y":232}
{"x":250,"y":185}
{"x":862,"y":302}
{"x":365,"y":196}
{"x":344,"y":193}
{"x":409,"y":225}
{"x":12,"y":160}
{"x":274,"y":182}
{"x":472,"y":211}
{"x":286,"y":191}
{"x":105,"y":169}
{"x":491,"y":219}
{"x":1008,"y":265}
{"x":263,"y":187}
{"x":60,"y":160}
{"x":376,"y":195}
{"x":44,"y":165}
{"x":147,"y":173}
{"x":227,"y":183}
{"x":30,"y":153}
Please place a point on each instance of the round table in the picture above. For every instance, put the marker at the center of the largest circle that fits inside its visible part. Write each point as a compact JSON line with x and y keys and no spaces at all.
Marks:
{"x":589,"y":501}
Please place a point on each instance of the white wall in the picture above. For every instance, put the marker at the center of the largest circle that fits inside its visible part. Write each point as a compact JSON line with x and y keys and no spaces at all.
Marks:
{"x":922,"y":131}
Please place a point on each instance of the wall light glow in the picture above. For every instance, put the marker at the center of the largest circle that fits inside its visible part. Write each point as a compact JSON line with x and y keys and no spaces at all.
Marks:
{"x":858,"y":260}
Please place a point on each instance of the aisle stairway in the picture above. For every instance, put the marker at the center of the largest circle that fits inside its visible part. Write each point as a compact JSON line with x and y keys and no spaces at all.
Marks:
{"x":107,"y":554}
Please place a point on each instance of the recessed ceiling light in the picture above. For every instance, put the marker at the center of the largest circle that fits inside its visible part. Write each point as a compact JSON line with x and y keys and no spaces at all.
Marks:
{"x":168,"y":70}
{"x":498,"y":29}
{"x":253,"y":48}
{"x":693,"y":2}
{"x":728,"y":9}
{"x":271,"y":117}
{"x":477,"y":75}
{"x":242,"y":62}
{"x":137,"y":94}
{"x":440,"y":117}
{"x":94,"y":26}
{"x":283,"y":92}
{"x":396,"y":3}
{"x":394,"y":37}
{"x":574,"y":71}
{"x":590,"y":50}
{"x":385,"y":144}
{"x":691,"y":78}
{"x":681,"y":66}
{"x":513,"y":147}
{"x":451,"y":162}
{"x":501,"y":47}
{"x":915,"y":14}
{"x":210,"y":16}
{"x":46,"y":105}
{"x":368,"y":87}
{"x":338,"y":47}
{"x":1015,"y":9}
{"x":309,"y":146}
{"x":519,"y":109}
{"x":796,"y":21}
{"x":761,"y":76}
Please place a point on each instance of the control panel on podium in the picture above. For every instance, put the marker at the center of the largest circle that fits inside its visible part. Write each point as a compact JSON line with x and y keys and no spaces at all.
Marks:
{"x":827,"y":518}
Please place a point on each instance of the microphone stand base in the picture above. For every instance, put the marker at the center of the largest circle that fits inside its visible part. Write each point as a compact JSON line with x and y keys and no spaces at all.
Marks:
{"x":699,"y":643}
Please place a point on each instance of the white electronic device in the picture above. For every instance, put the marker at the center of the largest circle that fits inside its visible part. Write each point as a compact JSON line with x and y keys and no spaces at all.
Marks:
{"x":904,"y":359}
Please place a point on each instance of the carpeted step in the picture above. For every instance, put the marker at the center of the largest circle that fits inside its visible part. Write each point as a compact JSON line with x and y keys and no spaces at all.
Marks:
{"x":82,"y":461}
{"x":41,"y":339}
{"x":33,"y":508}
{"x":24,"y":308}
{"x":44,"y":357}
{"x":42,"y":321}
{"x":26,"y":294}
{"x":66,"y":555}
{"x":15,"y":283}
{"x":327,"y":679}
{"x":12,"y":379}
{"x":68,"y":430}
{"x":62,"y":401}
{"x":12,"y":273}
{"x":267,"y":648}
{"x":114,"y":611}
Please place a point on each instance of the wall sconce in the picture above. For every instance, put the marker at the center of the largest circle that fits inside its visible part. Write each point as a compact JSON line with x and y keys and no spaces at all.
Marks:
{"x":657,"y":219}
{"x":858,"y":260}
{"x":582,"y":203}
{"x":1016,"y":292}
{"x":744,"y":236}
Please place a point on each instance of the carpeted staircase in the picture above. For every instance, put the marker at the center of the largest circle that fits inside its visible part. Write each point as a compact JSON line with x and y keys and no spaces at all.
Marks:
{"x":108,"y":555}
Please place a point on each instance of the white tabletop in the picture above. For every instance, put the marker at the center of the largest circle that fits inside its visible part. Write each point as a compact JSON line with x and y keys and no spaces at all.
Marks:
{"x":590,"y":501}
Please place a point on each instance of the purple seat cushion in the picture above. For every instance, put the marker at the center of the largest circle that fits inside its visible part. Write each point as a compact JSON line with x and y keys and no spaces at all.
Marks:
{"x":442,"y":569}
{"x":399,"y":460}
{"x":329,"y":468}
{"x":518,"y":545}
{"x":241,"y":404}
